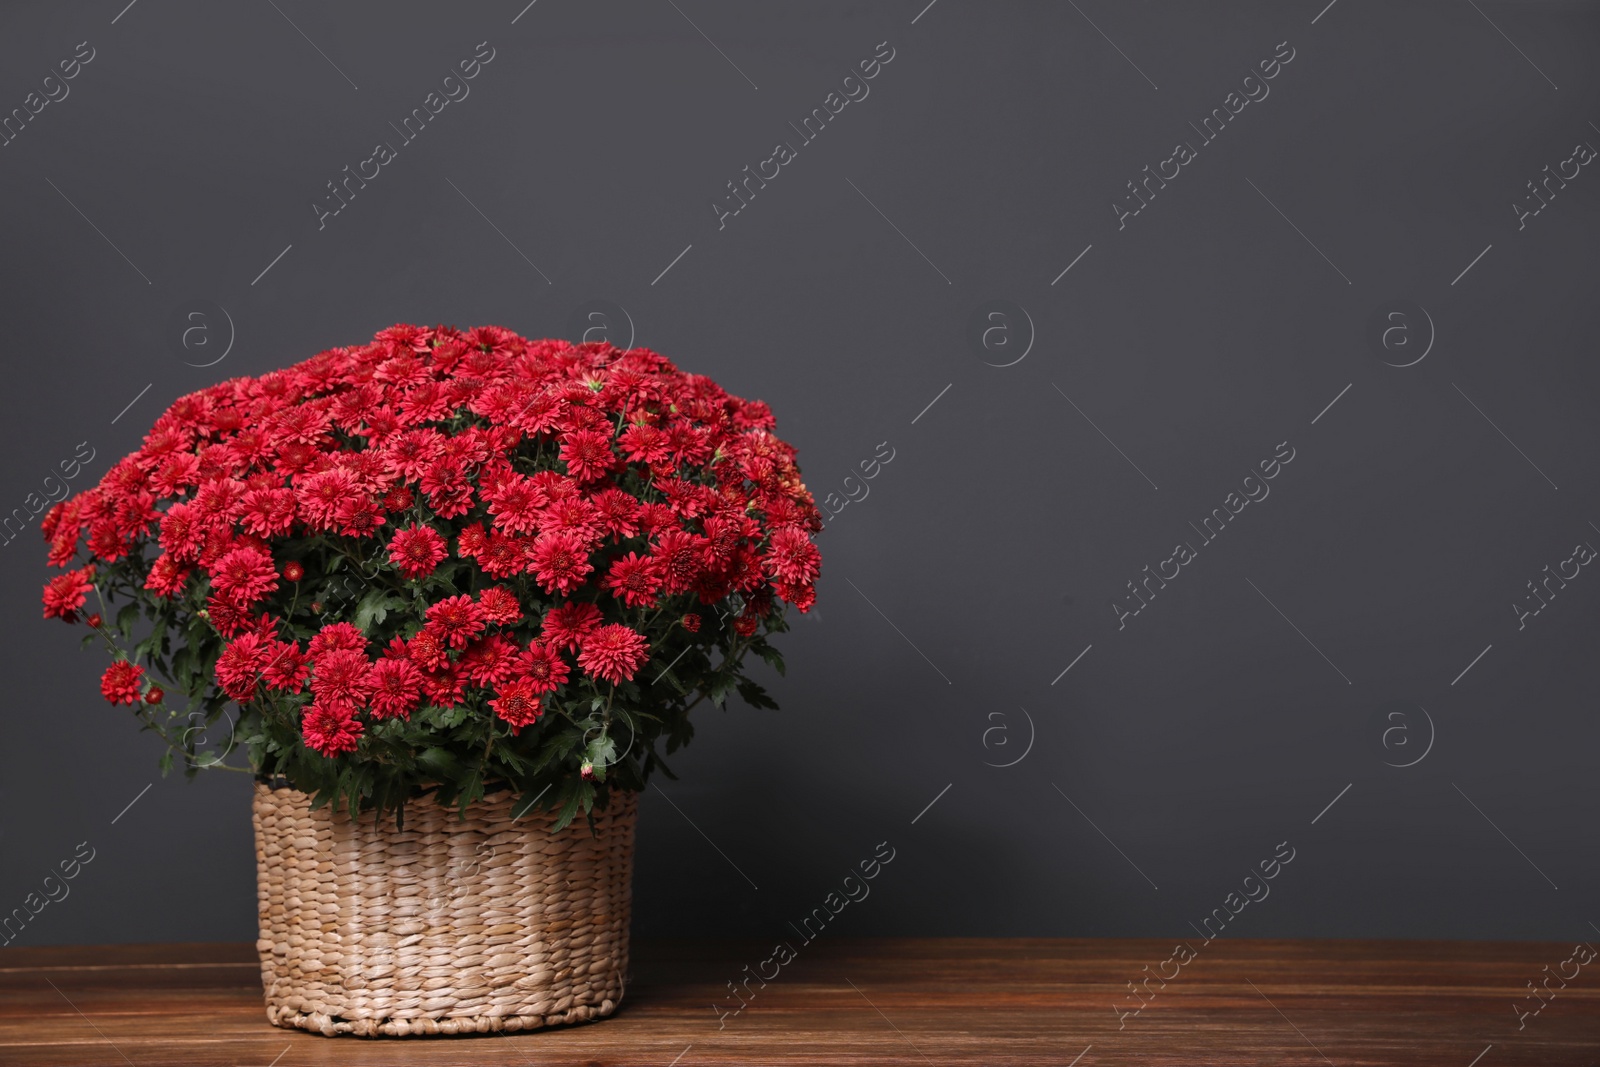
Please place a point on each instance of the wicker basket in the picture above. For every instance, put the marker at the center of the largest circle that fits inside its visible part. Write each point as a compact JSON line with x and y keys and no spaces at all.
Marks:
{"x":448,"y":926}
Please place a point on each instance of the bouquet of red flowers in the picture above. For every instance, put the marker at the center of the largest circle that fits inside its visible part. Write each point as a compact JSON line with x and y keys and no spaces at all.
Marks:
{"x":444,"y":562}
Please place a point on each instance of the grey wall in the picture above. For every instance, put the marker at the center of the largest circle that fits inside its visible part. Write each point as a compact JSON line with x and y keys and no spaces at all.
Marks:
{"x":1322,"y":639}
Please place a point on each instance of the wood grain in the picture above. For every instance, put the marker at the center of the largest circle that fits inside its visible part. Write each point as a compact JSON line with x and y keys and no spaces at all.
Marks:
{"x":904,"y":1001}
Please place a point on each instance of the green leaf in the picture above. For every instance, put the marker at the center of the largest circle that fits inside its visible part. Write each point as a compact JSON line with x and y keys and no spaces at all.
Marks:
{"x":440,"y":762}
{"x":602,"y":751}
{"x":773,"y":657}
{"x":577,"y":793}
{"x":444,"y":718}
{"x":375,"y":608}
{"x":755,"y":696}
{"x":471,"y":789}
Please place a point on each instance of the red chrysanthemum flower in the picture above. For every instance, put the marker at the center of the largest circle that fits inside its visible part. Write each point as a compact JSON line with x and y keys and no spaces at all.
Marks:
{"x":413,"y":451}
{"x":472,"y":541}
{"x":176,"y":473}
{"x":214,"y":541}
{"x":560,"y":562}
{"x":284,"y":667}
{"x":65,"y":594}
{"x":635,"y":580}
{"x":543,"y":666}
{"x":682,"y":557}
{"x":588,"y":454}
{"x":358,"y":516}
{"x":268,"y":512}
{"x":566,"y":625}
{"x":167,"y":577}
{"x":489,"y":661}
{"x":617,"y":509}
{"x":228,"y":618}
{"x":654,"y":518}
{"x":743,"y":572}
{"x":396,"y":688}
{"x":781,"y":511}
{"x":120,"y":683}
{"x":791,"y":557}
{"x":319,"y":495}
{"x":337,"y":636}
{"x":429,"y":650}
{"x":417,"y":550}
{"x":515,"y":503}
{"x":726,"y":533}
{"x":687,"y":499}
{"x":456,"y":619}
{"x":239,"y":666}
{"x":574,"y":515}
{"x":517,"y":704}
{"x":555,"y":486}
{"x":613,"y":653}
{"x":415,"y":337}
{"x":500,"y":605}
{"x":220,"y":498}
{"x":645,"y":444}
{"x":339,"y":678}
{"x":244,"y":576}
{"x":181,"y":531}
{"x":691,"y":622}
{"x":449,"y":492}
{"x":444,"y":687}
{"x":801,"y":595}
{"x":330,"y":729}
{"x":398,"y":498}
{"x":505,"y":555}
{"x":59,"y":515}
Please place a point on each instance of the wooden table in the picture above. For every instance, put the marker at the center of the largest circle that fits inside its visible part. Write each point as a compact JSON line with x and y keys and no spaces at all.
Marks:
{"x":967,"y":1001}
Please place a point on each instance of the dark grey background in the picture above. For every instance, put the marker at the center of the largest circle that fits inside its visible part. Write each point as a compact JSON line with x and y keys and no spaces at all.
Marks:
{"x":989,"y":551}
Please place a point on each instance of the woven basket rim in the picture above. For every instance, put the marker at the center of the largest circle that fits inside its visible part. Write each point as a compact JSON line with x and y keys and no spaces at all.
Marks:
{"x":493,"y":793}
{"x":422,"y":789}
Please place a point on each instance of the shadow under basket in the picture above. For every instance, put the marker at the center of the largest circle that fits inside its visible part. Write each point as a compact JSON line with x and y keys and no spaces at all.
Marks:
{"x":449,"y":926}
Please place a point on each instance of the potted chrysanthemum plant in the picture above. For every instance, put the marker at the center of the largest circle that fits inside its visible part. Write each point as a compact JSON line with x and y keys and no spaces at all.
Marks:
{"x":447,"y":596}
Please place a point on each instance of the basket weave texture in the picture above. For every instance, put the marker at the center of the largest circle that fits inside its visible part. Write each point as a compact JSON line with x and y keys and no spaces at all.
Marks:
{"x":448,"y":926}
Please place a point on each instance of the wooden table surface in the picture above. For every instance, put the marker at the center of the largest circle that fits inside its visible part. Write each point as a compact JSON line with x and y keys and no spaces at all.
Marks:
{"x":966,"y":1001}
